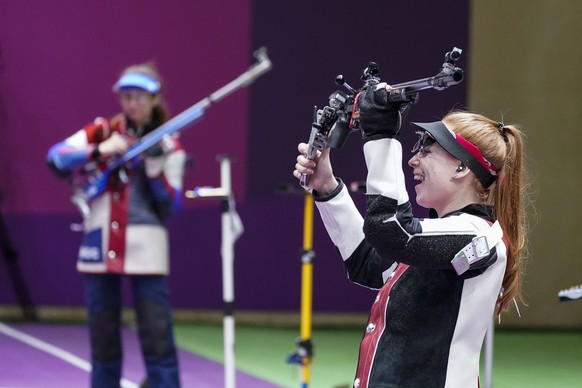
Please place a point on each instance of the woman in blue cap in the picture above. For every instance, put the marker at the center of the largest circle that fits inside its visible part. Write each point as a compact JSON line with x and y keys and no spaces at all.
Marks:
{"x":440,"y":279}
{"x":124,"y":227}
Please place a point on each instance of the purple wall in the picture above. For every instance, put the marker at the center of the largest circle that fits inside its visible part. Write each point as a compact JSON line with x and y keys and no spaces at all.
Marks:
{"x":59,"y":61}
{"x":57,"y":64}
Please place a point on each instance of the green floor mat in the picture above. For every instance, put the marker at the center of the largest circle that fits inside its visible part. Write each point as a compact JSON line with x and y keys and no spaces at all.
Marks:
{"x":263,"y":352}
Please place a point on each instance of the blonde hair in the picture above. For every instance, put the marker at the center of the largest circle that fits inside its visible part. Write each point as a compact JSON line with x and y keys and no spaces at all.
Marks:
{"x":502,"y":145}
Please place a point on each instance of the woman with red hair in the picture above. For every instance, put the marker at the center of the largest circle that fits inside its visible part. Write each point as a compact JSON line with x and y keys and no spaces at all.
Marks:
{"x":440,"y":279}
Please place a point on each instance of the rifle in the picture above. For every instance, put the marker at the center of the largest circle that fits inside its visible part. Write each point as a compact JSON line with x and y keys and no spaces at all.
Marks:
{"x":333,"y":123}
{"x":98,"y":180}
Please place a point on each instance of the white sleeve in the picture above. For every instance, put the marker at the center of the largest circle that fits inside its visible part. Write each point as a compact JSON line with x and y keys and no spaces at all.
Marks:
{"x":174,"y":167}
{"x":343,"y":222}
{"x":385,"y":175}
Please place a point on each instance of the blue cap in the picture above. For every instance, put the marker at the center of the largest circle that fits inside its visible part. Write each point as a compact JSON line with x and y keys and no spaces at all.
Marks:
{"x":137,"y":80}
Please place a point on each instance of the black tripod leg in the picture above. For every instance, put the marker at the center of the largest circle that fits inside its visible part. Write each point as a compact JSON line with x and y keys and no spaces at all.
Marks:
{"x":11,"y":257}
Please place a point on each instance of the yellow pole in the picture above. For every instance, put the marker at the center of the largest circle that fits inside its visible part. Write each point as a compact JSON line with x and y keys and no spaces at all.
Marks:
{"x":304,"y":355}
{"x":306,"y":289}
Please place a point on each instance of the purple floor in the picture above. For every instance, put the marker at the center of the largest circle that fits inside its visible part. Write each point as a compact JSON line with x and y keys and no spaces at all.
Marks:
{"x":25,"y":366}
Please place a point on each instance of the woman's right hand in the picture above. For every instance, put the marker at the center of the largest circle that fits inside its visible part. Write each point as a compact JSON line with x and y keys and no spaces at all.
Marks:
{"x":319,"y":170}
{"x":114,"y":145}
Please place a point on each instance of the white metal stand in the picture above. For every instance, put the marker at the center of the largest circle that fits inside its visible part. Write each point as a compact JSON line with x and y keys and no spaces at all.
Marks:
{"x":231,"y":230}
{"x":489,"y":356}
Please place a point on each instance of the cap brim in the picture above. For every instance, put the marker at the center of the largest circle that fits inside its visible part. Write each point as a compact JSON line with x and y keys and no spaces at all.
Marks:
{"x":137,"y":81}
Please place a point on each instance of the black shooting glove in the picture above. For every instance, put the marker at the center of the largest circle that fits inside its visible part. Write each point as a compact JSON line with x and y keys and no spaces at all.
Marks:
{"x":154,"y":151}
{"x":379,"y":118}
{"x":165,"y":146}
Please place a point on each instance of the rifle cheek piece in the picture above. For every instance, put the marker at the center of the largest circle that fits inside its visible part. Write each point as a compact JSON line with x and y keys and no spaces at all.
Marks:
{"x":339,"y":134}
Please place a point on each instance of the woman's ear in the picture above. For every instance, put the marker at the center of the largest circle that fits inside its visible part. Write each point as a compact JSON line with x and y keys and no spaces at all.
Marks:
{"x":460,"y":172}
{"x":462,"y":168}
